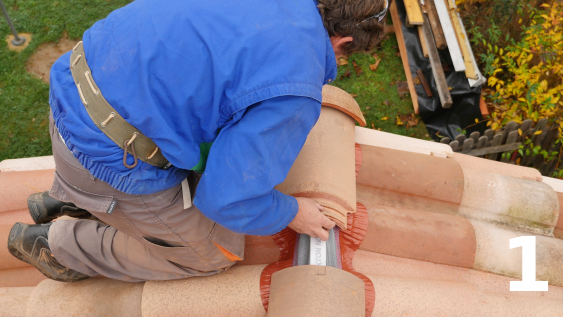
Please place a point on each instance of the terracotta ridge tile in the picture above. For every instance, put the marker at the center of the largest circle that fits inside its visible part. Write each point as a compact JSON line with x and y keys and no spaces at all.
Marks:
{"x":20,"y":277}
{"x":15,"y":187}
{"x":493,"y":254}
{"x":96,"y":296}
{"x":325,"y":168}
{"x":388,"y":140}
{"x":519,"y":203}
{"x":489,"y":166}
{"x":27,"y":164}
{"x":420,"y":235}
{"x":411,"y":174}
{"x":337,"y":98}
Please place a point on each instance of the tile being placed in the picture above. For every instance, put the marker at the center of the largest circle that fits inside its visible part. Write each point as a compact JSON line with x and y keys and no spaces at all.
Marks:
{"x":337,"y":98}
{"x":325,"y":168}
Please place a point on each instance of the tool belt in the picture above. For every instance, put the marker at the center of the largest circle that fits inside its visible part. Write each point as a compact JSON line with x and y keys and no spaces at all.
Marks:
{"x":126,"y":136}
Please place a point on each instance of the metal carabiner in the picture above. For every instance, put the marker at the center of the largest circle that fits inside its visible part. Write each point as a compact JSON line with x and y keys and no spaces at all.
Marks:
{"x":126,"y":146}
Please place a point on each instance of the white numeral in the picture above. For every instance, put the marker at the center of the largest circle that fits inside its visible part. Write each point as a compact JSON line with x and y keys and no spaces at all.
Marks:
{"x":528,"y":282}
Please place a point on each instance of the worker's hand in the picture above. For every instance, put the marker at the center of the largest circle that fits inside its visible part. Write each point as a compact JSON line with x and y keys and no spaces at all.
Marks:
{"x":310,"y":220}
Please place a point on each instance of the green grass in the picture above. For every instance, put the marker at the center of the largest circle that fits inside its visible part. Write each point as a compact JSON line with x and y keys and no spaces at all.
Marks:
{"x":24,"y":106}
{"x":24,"y":99}
{"x":376,"y":90}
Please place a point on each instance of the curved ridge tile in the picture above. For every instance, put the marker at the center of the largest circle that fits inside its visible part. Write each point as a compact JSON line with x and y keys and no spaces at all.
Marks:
{"x":420,"y":235}
{"x":325,"y":168}
{"x":309,"y":290}
{"x":401,"y":297}
{"x":285,"y":241}
{"x":380,"y":197}
{"x":20,"y":277}
{"x":15,"y":187}
{"x":28,"y":164}
{"x":337,"y":98}
{"x":13,"y":301}
{"x":359,"y":158}
{"x":92,"y":297}
{"x":12,"y":216}
{"x":235,"y":292}
{"x":417,"y":288}
{"x":519,"y":203}
{"x":398,"y":142}
{"x":494,"y":167}
{"x":375,"y":264}
{"x":350,"y":240}
{"x":556,"y":184}
{"x":559,"y":224}
{"x":411,"y":174}
{"x":493,"y":254}
{"x":259,"y":250}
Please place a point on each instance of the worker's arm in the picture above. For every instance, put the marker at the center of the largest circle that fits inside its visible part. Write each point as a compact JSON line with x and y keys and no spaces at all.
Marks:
{"x":249,"y":158}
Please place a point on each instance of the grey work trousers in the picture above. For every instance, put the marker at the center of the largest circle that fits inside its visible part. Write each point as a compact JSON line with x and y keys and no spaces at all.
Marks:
{"x":143,"y":237}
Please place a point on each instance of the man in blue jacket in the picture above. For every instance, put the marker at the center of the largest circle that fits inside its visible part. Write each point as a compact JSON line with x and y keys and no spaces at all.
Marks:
{"x":135,"y":108}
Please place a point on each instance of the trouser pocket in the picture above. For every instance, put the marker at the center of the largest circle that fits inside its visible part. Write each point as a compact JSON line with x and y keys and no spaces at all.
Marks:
{"x":63,"y":191}
{"x":231,"y":244}
{"x":184,"y":256}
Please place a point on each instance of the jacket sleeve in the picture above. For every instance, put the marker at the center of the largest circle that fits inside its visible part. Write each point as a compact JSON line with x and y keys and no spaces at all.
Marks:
{"x":249,"y":158}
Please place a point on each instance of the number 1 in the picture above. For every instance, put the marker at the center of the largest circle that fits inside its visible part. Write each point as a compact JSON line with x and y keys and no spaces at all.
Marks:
{"x":528,"y":282}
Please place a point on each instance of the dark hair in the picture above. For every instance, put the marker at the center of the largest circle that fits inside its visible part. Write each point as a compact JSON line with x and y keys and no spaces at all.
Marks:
{"x":344,"y":18}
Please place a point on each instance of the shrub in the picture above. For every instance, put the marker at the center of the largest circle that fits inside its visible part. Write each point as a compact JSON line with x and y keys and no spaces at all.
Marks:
{"x":527,"y":80}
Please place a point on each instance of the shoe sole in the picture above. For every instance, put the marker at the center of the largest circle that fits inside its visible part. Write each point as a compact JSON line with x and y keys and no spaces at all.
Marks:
{"x":40,"y":215}
{"x":16,"y":231}
{"x":36,"y":207}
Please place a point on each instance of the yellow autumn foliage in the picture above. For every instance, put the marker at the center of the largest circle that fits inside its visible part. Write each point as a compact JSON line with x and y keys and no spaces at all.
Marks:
{"x":459,"y":2}
{"x":527,"y":82}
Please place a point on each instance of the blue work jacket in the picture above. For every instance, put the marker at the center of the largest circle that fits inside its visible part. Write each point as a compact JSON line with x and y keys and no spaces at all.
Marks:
{"x":246,"y":75}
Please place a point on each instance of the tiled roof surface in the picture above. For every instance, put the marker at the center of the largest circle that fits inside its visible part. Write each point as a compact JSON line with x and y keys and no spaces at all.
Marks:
{"x":437,"y":244}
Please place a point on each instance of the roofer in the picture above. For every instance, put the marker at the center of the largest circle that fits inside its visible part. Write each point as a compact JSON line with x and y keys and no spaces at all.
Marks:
{"x":135,"y":108}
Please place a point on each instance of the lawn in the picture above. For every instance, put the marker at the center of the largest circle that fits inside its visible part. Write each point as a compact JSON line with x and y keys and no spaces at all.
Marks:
{"x":24,"y":98}
{"x":376,"y":91}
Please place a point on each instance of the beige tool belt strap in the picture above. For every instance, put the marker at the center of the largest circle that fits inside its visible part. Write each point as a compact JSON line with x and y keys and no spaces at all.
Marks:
{"x":130,"y":139}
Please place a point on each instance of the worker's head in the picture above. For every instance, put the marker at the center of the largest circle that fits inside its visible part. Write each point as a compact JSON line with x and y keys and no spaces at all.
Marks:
{"x":353,"y":25}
